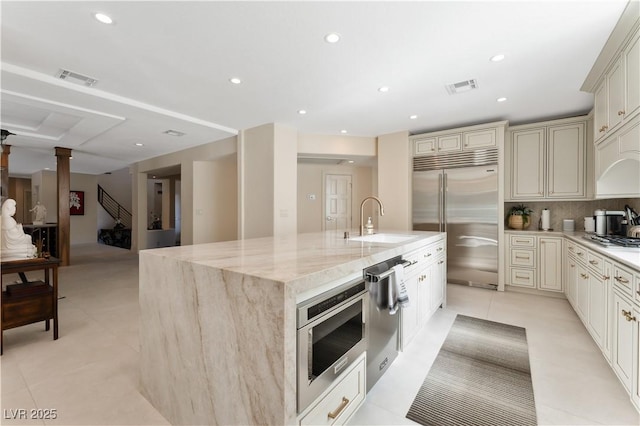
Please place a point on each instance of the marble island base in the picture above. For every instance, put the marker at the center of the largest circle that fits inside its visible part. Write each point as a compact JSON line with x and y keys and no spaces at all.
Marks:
{"x":218,"y":321}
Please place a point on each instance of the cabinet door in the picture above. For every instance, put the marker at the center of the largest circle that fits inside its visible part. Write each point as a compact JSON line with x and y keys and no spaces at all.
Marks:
{"x":566,"y":161}
{"x":635,"y":395}
{"x":570,"y":288}
{"x":622,"y":354}
{"x":550,"y":274}
{"x":582,"y":293}
{"x":598,"y":309}
{"x":449,"y":143}
{"x":424,"y":146}
{"x":615,"y":79}
{"x":601,"y":111}
{"x":479,"y":138}
{"x":425,"y":281}
{"x":409,"y":314}
{"x":632,"y":77}
{"x":437,"y":285}
{"x":527,"y":163}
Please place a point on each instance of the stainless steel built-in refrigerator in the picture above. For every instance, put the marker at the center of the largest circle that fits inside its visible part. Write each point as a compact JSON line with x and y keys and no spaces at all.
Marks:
{"x":453,"y":194}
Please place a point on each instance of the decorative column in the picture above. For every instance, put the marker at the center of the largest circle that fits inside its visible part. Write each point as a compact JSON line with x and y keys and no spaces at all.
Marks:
{"x":4,"y":172}
{"x":64,"y":222}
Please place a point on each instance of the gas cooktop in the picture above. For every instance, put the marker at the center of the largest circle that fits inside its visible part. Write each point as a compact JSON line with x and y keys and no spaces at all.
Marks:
{"x":614,"y":240}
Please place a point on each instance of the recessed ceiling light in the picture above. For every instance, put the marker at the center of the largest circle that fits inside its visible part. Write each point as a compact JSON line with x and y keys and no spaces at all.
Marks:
{"x":105,"y":19}
{"x":343,"y":131}
{"x":350,"y":161}
{"x":413,"y":117}
{"x":497,"y":58}
{"x":302,"y":111}
{"x":173,"y":133}
{"x":383,"y":89}
{"x":47,"y":168}
{"x":139,"y":144}
{"x":332,"y":38}
{"x":235,"y":80}
{"x":501,"y":99}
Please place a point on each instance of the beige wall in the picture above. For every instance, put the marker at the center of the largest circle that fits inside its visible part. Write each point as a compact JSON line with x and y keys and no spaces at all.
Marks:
{"x":185,"y":159}
{"x":336,"y":146}
{"x":311,"y":178}
{"x":216,"y":210}
{"x":267,"y":166}
{"x":394,"y":177}
{"x":84,"y":228}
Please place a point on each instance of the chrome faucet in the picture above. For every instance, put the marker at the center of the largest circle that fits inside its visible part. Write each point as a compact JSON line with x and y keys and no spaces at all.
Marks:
{"x":362,"y":211}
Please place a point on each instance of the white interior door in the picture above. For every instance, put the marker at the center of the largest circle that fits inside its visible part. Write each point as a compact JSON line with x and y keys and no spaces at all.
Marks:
{"x":337,"y":203}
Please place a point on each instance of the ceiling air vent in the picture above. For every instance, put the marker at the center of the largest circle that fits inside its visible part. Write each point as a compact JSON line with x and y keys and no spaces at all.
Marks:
{"x":462,"y":86}
{"x":74,"y":77}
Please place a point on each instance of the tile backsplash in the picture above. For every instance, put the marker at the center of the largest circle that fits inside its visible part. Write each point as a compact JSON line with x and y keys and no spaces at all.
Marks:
{"x":576,"y":210}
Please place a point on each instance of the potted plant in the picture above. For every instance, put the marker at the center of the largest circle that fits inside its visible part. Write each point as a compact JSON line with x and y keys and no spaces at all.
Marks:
{"x":519,"y":217}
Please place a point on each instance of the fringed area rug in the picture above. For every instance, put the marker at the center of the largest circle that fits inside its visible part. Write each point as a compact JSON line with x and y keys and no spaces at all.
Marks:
{"x":481,"y":376}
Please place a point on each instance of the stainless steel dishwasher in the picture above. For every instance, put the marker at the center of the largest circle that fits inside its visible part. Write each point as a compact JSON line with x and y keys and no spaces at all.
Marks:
{"x":382,"y":346}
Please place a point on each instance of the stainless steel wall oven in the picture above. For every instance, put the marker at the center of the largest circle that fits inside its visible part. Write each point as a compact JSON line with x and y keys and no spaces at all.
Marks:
{"x":332,"y":333}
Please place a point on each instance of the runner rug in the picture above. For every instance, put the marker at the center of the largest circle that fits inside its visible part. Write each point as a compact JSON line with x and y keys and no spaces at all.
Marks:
{"x":481,"y":376}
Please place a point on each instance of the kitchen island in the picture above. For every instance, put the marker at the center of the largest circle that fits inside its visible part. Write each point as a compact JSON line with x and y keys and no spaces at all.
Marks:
{"x":218,"y":321}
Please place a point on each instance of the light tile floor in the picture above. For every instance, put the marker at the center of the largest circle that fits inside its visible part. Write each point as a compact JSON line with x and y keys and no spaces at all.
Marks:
{"x":572,"y":382}
{"x":90,"y":374}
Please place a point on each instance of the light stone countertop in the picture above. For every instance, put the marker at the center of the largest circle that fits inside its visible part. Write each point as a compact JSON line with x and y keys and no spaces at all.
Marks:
{"x":629,"y":256}
{"x":301,"y":261}
{"x":218,"y":321}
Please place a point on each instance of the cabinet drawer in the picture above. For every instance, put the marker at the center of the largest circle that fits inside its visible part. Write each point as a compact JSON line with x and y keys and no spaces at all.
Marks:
{"x":523,"y":240}
{"x":523,"y":277}
{"x":623,"y":280}
{"x":595,"y":262}
{"x":523,"y":257}
{"x":337,"y":406}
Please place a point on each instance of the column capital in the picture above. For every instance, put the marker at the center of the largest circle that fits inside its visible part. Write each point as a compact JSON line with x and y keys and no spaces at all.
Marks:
{"x":62,"y":152}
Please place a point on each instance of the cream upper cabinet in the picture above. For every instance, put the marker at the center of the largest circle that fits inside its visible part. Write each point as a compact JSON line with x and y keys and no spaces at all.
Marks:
{"x":479,"y":138}
{"x":632,"y":77}
{"x":617,"y":96}
{"x":487,"y":135}
{"x":527,"y":163}
{"x":548,"y":161}
{"x":433,"y":145}
{"x":566,"y":157}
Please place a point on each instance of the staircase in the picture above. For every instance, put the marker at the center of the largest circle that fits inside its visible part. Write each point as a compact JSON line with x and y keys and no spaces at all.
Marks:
{"x":115,"y":210}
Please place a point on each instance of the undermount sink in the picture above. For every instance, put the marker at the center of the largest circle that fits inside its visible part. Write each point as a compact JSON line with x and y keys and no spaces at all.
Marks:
{"x":384,"y":238}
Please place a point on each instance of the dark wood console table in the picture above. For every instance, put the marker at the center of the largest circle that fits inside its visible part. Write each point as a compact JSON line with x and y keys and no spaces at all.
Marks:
{"x":31,"y":301}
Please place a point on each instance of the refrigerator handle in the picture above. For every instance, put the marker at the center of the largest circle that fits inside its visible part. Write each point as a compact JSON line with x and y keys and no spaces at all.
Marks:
{"x":443,"y":210}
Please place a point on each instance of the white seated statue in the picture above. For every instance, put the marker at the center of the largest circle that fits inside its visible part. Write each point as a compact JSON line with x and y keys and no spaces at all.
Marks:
{"x":14,"y":243}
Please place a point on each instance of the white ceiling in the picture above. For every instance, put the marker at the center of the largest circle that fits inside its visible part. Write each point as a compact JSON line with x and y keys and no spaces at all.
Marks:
{"x":166,"y":65}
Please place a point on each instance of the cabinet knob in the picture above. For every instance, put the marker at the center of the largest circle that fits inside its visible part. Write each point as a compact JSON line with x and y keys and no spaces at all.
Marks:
{"x":584,"y":276}
{"x":621,"y":280}
{"x":621,"y":112}
{"x":606,"y":278}
{"x":593,"y":262}
{"x":605,"y":127}
{"x":627,"y":315}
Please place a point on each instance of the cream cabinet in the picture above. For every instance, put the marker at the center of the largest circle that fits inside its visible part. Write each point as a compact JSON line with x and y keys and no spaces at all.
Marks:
{"x":534,"y":262}
{"x":488,"y":135}
{"x":341,"y":400}
{"x":548,"y":161}
{"x":617,"y":96}
{"x":603,"y":293}
{"x":436,"y":144}
{"x":623,"y":340}
{"x":425,"y":280}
